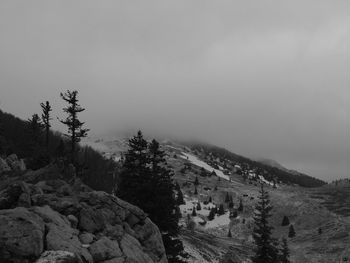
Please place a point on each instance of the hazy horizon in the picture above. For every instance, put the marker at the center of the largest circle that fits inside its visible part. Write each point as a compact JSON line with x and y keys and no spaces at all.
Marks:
{"x":262,"y":79}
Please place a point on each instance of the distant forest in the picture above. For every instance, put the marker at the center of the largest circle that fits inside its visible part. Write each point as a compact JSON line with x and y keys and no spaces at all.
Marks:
{"x":16,"y":136}
{"x":269,"y":172}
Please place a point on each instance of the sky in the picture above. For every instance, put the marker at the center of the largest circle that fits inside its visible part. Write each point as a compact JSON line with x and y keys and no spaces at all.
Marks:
{"x":265,"y":79}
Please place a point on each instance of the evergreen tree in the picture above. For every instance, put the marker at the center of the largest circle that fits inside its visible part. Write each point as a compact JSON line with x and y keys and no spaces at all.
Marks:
{"x":285,"y":221}
{"x":227,"y":198}
{"x":319,"y":230}
{"x":284,"y":252}
{"x":75,"y":126}
{"x":210,"y":199}
{"x":196,"y":182}
{"x":194,"y":213}
{"x":291,"y":232}
{"x":46,"y":118}
{"x":240,"y":207}
{"x":147,"y":183}
{"x":221,"y":210}
{"x":231,"y":204}
{"x":211,"y":215}
{"x":135,"y":176}
{"x":195,"y":191}
{"x":35,"y":128}
{"x":180,"y":198}
{"x":266,"y":251}
{"x":199,"y":206}
{"x":229,"y":233}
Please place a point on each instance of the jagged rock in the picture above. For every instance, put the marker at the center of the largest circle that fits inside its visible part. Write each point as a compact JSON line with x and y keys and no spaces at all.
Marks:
{"x":86,"y":238}
{"x":104,"y":249}
{"x":15,"y":164}
{"x":149,"y":234}
{"x":115,"y":260}
{"x":133,"y":251}
{"x":16,"y":194}
{"x":98,"y":216}
{"x":21,"y":235}
{"x":73,"y":221}
{"x":115,"y":232}
{"x":90,"y":220}
{"x":4,"y":167}
{"x":57,"y":257}
{"x":60,"y":235}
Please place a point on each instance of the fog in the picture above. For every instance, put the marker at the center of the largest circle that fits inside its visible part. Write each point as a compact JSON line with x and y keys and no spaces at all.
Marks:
{"x":264,"y":79}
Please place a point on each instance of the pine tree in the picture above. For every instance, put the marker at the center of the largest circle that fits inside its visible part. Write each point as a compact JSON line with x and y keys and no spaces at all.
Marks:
{"x":229,"y":233}
{"x":75,"y":126}
{"x":194,"y":213}
{"x":284,"y":252}
{"x":221,"y":210}
{"x":46,"y":118}
{"x":35,"y":128}
{"x":195,"y":191}
{"x":291,"y":232}
{"x":319,"y":230}
{"x":135,"y":176}
{"x":227,"y":198}
{"x":211,"y":215}
{"x":196,"y":182}
{"x":199,"y":206}
{"x":210,"y":199}
{"x":240,"y":207}
{"x":147,"y":182}
{"x":180,"y":198}
{"x":266,"y":251}
{"x":285,"y":221}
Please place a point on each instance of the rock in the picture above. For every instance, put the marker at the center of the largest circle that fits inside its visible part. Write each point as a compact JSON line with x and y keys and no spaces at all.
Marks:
{"x":60,"y":235}
{"x":14,"y":163}
{"x":115,"y":232}
{"x":57,"y":257}
{"x":104,"y":249}
{"x":149,"y":236}
{"x":21,"y":234}
{"x":73,"y":221}
{"x":4,"y":167}
{"x":115,"y":260}
{"x":86,"y":238}
{"x":90,"y":220}
{"x":44,"y":187}
{"x":133,"y":251}
{"x":24,"y":200}
{"x":10,"y":196}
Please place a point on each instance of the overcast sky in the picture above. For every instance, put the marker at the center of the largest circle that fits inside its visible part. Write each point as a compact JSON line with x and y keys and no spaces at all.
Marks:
{"x":265,"y":78}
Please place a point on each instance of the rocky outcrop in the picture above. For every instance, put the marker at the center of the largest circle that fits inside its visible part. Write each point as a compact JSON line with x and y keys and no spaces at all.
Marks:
{"x":51,"y":219}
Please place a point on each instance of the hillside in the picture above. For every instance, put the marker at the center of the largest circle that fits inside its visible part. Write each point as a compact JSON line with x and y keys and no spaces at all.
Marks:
{"x":219,"y":173}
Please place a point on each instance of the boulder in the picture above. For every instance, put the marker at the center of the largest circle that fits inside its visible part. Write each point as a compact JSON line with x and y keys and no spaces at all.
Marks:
{"x":14,"y":163}
{"x":16,"y":194}
{"x":86,"y":238}
{"x":90,"y":220}
{"x":73,"y":221}
{"x":149,"y":236}
{"x":133,"y":251}
{"x":105,"y":249}
{"x":21,"y":235}
{"x":57,"y":257}
{"x":4,"y":167}
{"x":60,"y":235}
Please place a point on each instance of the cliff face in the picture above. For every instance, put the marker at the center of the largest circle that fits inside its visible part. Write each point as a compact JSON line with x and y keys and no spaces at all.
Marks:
{"x":45,"y":219}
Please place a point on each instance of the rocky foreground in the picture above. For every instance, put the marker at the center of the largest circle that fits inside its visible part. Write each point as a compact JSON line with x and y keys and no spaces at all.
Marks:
{"x":45,"y":219}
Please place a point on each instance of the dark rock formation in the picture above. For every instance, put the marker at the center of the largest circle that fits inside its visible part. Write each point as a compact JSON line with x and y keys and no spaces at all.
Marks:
{"x":44,"y":218}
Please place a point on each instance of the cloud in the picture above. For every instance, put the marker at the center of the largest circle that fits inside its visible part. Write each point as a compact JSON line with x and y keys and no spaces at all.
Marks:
{"x":262,"y":78}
